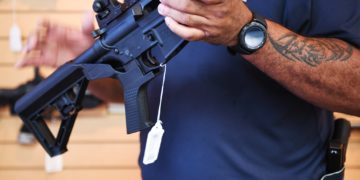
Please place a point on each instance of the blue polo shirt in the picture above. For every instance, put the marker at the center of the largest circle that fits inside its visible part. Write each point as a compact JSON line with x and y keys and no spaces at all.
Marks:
{"x":224,"y":119}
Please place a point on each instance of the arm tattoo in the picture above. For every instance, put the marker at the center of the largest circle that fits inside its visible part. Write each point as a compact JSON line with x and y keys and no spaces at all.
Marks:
{"x":311,"y":51}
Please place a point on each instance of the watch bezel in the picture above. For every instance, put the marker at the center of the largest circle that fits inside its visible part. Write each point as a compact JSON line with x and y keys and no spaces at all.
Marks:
{"x":242,"y":47}
{"x":243,"y":34}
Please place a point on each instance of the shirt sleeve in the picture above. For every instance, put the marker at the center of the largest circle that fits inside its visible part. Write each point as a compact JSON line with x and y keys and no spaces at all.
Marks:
{"x":337,"y":19}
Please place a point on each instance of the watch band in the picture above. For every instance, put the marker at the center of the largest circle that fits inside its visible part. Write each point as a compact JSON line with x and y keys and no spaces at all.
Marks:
{"x":260,"y":19}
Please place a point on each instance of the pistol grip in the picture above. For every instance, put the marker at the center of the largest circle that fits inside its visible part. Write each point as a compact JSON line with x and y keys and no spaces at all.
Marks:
{"x":134,"y":82}
{"x":136,"y":109}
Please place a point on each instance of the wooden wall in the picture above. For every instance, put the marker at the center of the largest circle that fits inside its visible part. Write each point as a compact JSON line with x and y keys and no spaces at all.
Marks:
{"x":29,"y":12}
{"x":99,"y":147}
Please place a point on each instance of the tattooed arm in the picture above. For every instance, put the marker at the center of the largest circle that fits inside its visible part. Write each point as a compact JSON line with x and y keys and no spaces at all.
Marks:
{"x":312,"y":51}
{"x":323,"y":71}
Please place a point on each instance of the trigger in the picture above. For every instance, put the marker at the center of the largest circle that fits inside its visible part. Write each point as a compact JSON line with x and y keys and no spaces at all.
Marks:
{"x":151,"y":59}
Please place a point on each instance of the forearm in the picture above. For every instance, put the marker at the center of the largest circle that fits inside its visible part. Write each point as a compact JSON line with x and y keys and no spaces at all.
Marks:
{"x":322,"y":71}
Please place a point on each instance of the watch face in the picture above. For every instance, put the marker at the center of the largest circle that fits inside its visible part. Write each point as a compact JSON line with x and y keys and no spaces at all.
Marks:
{"x":254,"y":37}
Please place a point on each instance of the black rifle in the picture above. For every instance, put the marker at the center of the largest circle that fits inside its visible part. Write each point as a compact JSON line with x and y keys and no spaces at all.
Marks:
{"x":8,"y":96}
{"x":132,"y":43}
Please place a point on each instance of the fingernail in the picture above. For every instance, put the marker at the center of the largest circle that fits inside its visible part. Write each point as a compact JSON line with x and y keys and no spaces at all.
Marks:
{"x":161,"y":9}
{"x":167,"y":20}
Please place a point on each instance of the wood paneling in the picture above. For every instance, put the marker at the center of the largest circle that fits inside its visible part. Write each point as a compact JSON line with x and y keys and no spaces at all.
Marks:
{"x":41,"y":5}
{"x":10,"y":77}
{"x":72,"y":174}
{"x":99,"y":147}
{"x":27,"y":21}
{"x":353,"y":151}
{"x":89,"y":127}
{"x":98,"y":140}
{"x":355,"y":121}
{"x":80,"y":155}
{"x":98,"y":144}
{"x":6,"y":56}
{"x":66,"y":12}
{"x":352,"y":174}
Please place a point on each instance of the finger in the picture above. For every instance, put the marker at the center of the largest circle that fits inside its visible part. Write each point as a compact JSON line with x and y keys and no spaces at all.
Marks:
{"x":181,"y":17}
{"x":41,"y":31}
{"x":22,"y":61}
{"x":49,"y":56}
{"x":28,"y":58}
{"x":30,"y":43}
{"x":31,"y":49}
{"x":27,"y":54}
{"x":88,"y":23}
{"x":56,"y":35}
{"x":187,"y":33}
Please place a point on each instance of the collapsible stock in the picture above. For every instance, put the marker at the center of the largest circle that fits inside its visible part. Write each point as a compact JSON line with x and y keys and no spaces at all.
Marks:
{"x":132,"y":42}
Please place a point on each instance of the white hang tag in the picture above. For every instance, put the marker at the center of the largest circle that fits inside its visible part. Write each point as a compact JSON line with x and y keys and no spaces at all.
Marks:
{"x":15,"y":38}
{"x":153,"y":143}
{"x":53,"y":164}
{"x":156,"y":133}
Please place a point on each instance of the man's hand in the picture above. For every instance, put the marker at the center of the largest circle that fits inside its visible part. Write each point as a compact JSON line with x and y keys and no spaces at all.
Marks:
{"x":53,"y":44}
{"x":213,"y":21}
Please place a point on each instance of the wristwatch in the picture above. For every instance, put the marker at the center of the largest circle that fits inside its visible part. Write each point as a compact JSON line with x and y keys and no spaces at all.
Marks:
{"x":252,"y":36}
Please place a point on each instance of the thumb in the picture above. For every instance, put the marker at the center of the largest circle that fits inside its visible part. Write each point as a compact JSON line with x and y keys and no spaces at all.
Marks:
{"x":88,"y":22}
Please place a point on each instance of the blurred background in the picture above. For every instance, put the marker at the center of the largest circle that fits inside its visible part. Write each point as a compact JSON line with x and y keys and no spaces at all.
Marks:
{"x":99,"y":147}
